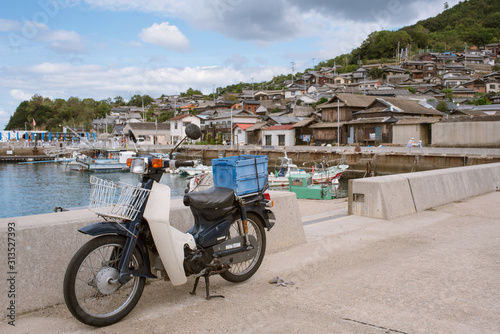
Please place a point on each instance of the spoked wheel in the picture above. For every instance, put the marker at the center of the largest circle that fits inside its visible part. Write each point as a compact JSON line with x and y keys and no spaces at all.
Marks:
{"x":242,"y":271}
{"x":91,"y":291}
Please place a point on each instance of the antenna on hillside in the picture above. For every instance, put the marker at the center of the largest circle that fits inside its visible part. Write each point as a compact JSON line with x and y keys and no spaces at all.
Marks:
{"x":293,"y":68}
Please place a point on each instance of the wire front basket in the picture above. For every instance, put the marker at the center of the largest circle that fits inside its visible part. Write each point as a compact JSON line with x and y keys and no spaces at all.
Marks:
{"x":117,"y":201}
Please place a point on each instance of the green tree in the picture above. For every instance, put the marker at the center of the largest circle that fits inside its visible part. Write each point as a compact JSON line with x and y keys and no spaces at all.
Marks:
{"x":119,"y":101}
{"x":443,"y":107}
{"x":448,"y":93}
{"x":320,"y":101}
{"x":138,"y":100}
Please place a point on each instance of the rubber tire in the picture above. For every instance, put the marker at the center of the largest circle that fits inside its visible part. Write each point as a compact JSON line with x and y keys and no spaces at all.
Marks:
{"x":70,"y":278}
{"x":236,"y":278}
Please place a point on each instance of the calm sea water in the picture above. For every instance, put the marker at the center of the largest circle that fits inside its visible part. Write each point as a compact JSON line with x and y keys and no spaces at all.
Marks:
{"x":29,"y":189}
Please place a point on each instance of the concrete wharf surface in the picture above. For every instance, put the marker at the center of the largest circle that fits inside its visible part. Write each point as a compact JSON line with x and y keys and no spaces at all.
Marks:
{"x":436,"y":271}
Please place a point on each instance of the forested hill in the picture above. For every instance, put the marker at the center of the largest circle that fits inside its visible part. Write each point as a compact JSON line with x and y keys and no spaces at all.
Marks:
{"x":469,"y":23}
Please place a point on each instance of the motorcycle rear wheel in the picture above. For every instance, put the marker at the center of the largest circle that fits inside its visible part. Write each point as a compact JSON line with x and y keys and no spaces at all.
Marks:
{"x":240,"y":272}
{"x":89,"y":292}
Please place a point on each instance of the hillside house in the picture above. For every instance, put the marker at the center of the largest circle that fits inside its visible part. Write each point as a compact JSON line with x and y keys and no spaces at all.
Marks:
{"x":178,"y":126}
{"x":278,"y":135}
{"x":374,"y":124}
{"x":254,"y":133}
{"x":150,"y":133}
{"x":303,"y":131}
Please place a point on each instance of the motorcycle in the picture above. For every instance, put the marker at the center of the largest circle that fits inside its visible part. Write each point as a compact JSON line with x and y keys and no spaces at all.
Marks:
{"x":106,"y":277}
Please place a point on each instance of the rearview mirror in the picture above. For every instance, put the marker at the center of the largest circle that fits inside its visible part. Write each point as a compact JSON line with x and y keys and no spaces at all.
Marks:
{"x":132,"y":137}
{"x":193,"y":131}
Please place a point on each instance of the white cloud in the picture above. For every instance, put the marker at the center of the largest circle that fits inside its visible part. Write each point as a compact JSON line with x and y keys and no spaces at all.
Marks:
{"x":59,"y":41}
{"x":263,"y":21}
{"x":165,"y":35}
{"x":9,"y":25}
{"x":63,"y":41}
{"x":62,"y":80}
{"x":19,"y":95}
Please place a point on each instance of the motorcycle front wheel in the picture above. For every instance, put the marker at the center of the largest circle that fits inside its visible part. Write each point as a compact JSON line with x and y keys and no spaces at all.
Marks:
{"x":91,"y":291}
{"x":242,"y":271}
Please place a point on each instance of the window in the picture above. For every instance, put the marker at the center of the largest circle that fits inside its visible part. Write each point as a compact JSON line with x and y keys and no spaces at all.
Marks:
{"x":268,"y":140}
{"x":492,"y":86}
{"x":281,"y":140}
{"x":175,"y":125}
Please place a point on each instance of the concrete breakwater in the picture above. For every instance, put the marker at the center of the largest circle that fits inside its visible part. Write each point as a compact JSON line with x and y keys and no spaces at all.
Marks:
{"x":368,"y":161}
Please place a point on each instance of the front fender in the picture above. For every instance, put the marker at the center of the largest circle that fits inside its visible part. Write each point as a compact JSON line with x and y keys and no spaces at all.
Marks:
{"x":102,"y":228}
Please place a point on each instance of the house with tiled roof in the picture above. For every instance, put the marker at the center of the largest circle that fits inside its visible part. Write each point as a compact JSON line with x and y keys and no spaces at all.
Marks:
{"x":239,"y":133}
{"x":278,"y":135}
{"x":178,"y":126}
{"x":374,"y":125}
{"x":150,"y":133}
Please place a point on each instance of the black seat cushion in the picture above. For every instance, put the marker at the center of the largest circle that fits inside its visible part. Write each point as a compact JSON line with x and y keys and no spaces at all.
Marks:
{"x":211,"y":198}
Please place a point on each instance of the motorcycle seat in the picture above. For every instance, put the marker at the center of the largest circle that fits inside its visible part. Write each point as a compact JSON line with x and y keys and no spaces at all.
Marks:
{"x":211,"y":198}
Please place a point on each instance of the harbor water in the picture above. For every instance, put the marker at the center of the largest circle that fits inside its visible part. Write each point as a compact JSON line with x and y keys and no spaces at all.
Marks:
{"x":30,"y":189}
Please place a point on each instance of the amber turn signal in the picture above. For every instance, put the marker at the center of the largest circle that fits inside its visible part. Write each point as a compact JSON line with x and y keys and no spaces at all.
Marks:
{"x":157,"y":163}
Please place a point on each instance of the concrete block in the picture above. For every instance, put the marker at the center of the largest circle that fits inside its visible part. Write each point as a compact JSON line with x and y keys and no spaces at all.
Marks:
{"x":438,"y":187}
{"x":384,"y":197}
{"x":393,"y":196}
{"x":44,"y":245}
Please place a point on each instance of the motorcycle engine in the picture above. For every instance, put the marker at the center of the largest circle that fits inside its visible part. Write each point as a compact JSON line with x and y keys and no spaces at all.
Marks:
{"x":194,"y":262}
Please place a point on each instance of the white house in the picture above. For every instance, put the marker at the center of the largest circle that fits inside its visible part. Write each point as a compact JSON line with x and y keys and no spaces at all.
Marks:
{"x":178,"y":125}
{"x":239,"y":134}
{"x":150,"y":133}
{"x":279,"y":135}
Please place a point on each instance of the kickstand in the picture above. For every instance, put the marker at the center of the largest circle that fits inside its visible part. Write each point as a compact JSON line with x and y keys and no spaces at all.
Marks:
{"x":207,"y":288}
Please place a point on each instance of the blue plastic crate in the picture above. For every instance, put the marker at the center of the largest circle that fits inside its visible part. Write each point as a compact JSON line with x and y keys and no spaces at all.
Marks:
{"x":239,"y":174}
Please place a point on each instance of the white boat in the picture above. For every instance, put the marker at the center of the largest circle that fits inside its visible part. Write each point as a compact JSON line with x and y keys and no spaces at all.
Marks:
{"x":197,"y":169}
{"x":286,"y":168}
{"x":111,"y":161}
{"x":329,"y":175}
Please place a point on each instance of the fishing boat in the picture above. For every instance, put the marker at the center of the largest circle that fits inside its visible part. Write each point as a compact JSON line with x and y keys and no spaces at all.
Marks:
{"x":110,"y":161}
{"x":321,"y":174}
{"x":286,"y":168}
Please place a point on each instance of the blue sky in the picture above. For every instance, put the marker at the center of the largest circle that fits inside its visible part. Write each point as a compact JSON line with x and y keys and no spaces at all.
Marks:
{"x":107,"y":48}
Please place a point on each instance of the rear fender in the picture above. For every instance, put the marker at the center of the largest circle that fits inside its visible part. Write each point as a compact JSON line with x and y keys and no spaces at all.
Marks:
{"x":103,"y":228}
{"x":264,"y":213}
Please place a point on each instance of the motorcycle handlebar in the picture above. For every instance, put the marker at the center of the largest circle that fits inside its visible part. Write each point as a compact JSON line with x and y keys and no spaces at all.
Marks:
{"x":184,"y":163}
{"x":173,"y":164}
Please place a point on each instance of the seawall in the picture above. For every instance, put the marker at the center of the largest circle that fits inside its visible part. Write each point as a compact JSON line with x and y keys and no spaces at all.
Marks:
{"x":392,"y":196}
